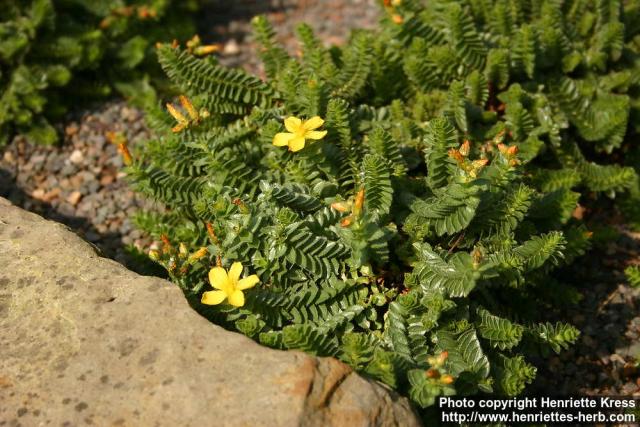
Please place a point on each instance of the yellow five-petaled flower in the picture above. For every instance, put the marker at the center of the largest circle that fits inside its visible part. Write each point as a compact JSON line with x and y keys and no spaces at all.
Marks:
{"x":229,"y":286}
{"x":299,"y":131}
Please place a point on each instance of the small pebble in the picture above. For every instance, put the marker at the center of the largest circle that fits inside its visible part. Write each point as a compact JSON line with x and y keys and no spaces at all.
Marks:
{"x":76,"y":157}
{"x":231,"y":48}
{"x":74,"y":197}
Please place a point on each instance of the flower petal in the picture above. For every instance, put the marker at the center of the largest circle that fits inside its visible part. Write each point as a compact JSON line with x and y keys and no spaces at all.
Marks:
{"x":218,"y":278}
{"x":235,"y":271}
{"x":236,"y":299}
{"x":282,"y":139}
{"x":315,"y":134}
{"x":313,"y":123}
{"x":296,"y":144}
{"x":248,"y":282}
{"x":292,"y":124}
{"x":213,"y":297}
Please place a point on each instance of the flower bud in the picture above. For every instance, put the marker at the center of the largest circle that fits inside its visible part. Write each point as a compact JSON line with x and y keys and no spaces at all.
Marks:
{"x":175,"y":113}
{"x":359,"y":203}
{"x":455,"y":154}
{"x":432,"y":373}
{"x":182,"y":250}
{"x":206,"y":50}
{"x":200,"y":253}
{"x":465,"y":148}
{"x":446,"y":379}
{"x":345,"y":222}
{"x":126,"y":154}
{"x":166,"y":242}
{"x":188,"y":106}
{"x":339,"y":206}
{"x":193,"y":42}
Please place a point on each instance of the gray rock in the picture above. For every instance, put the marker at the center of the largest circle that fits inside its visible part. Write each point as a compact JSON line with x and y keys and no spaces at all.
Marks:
{"x":85,"y":341}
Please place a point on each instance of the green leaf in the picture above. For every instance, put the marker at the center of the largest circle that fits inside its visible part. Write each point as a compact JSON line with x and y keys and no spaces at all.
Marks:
{"x":455,"y":275}
{"x":377,"y":186}
{"x":450,"y":210}
{"x":500,"y":332}
{"x":465,"y":352}
{"x":440,"y":137}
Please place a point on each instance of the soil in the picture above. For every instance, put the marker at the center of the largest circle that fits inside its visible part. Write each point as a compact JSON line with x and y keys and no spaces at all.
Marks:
{"x":80,"y":183}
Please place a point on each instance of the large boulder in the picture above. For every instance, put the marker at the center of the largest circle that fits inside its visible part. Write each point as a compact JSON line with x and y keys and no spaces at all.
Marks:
{"x":85,"y":341}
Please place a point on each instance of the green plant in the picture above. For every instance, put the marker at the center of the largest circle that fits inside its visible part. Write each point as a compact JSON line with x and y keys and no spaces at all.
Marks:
{"x":415,"y":239}
{"x":56,"y":53}
{"x":633,"y":275}
{"x":562,"y":77}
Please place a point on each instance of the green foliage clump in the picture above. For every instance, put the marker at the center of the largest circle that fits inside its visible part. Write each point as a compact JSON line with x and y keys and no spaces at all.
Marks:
{"x":57,"y":53}
{"x":633,"y":275}
{"x":417,"y":239}
{"x":563,"y":77}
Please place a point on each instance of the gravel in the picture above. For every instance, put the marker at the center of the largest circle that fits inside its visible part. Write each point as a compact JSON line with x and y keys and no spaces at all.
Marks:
{"x":80,"y":183}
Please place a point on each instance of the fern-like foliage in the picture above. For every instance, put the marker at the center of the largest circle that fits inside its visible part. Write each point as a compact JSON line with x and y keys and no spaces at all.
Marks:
{"x":412,"y":232}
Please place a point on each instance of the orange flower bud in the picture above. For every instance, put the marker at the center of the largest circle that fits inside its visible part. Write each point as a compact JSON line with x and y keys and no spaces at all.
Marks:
{"x":339,"y":206}
{"x":397,"y":19}
{"x":145,"y":12}
{"x":126,"y":154}
{"x":455,"y":154}
{"x":200,"y":253}
{"x":465,"y":148}
{"x":513,"y":150}
{"x":345,"y":222}
{"x":359,"y":203}
{"x":115,"y":137}
{"x":165,"y":241}
{"x":446,"y":379}
{"x":187,"y":105}
{"x":106,"y":23}
{"x":211,"y":232}
{"x":179,"y":127}
{"x":206,"y":50}
{"x":432,"y":373}
{"x":479,"y":164}
{"x":175,"y":113}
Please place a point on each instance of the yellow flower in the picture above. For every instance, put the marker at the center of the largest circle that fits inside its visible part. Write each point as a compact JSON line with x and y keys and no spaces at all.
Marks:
{"x":229,"y":286}
{"x":299,"y":131}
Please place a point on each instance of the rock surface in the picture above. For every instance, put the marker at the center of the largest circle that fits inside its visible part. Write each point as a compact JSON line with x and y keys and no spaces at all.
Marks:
{"x":85,"y":341}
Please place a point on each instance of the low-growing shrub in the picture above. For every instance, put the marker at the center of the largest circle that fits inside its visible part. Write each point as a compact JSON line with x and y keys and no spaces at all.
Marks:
{"x":57,"y":53}
{"x":400,"y":203}
{"x":562,"y":76}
